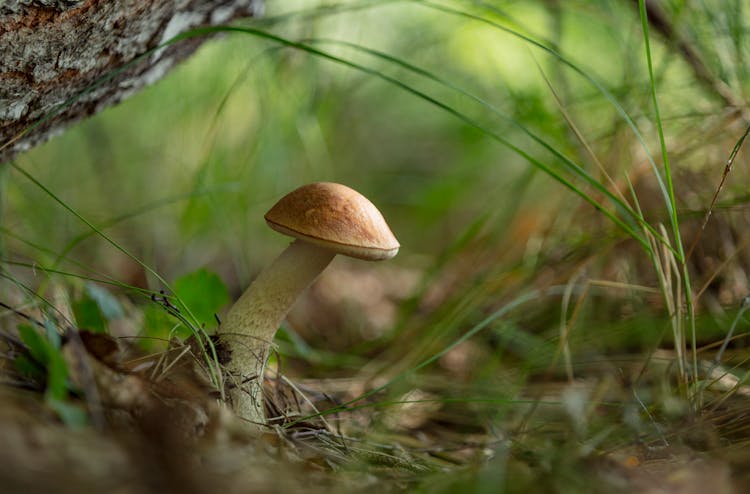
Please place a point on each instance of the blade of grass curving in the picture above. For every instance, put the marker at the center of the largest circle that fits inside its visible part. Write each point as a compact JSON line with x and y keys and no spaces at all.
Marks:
{"x":194,"y":326}
{"x":481,"y":325}
{"x":25,"y":288}
{"x":321,"y":11}
{"x":208,"y":348}
{"x":579,"y":135}
{"x":307,"y":13}
{"x":270,"y":21}
{"x":199,"y":177}
{"x":724,"y":175}
{"x":86,"y":222}
{"x":312,"y":50}
{"x":107,"y":280}
{"x":730,"y":334}
{"x":61,"y":256}
{"x":143,"y":209}
{"x":575,"y":168}
{"x":486,"y":323}
{"x":416,"y":92}
{"x":54,"y":269}
{"x":56,"y":110}
{"x":573,"y":66}
{"x":11,"y":234}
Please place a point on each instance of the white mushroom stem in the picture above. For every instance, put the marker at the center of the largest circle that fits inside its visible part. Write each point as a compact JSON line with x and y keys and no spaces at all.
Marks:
{"x":249,"y":327}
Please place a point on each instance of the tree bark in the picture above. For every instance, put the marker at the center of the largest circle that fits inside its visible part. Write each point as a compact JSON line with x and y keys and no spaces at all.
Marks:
{"x":53,"y":50}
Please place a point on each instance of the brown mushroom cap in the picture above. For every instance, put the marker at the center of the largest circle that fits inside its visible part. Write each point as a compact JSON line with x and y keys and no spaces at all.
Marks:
{"x":335,"y":217}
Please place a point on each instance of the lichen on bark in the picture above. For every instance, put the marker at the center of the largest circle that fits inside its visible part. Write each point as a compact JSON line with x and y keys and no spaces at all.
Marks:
{"x":53,"y":50}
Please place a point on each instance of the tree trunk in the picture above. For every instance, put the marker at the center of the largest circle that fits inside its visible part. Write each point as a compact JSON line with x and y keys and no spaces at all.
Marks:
{"x":52,"y":50}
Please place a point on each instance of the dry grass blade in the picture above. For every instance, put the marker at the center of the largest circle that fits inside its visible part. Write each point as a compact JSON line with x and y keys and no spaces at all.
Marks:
{"x":724,"y":175}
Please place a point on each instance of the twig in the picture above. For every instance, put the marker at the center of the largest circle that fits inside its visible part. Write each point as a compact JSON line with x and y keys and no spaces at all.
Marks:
{"x":724,"y":175}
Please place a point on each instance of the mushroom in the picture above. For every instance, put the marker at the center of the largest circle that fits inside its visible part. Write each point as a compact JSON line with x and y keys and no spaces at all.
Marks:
{"x":325,"y":219}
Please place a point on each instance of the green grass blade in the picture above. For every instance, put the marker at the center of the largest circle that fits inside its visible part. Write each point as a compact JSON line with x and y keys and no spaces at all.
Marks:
{"x":439,"y":104}
{"x":570,"y":64}
{"x":574,"y":167}
{"x":192,"y":321}
{"x":671,"y":206}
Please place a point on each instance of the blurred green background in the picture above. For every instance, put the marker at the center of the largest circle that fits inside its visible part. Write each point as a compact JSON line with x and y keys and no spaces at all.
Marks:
{"x":459,"y":107}
{"x":198,"y":157}
{"x":181,"y":174}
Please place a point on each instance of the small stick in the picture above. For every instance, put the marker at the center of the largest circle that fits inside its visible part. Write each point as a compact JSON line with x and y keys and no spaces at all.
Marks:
{"x":727,"y":169}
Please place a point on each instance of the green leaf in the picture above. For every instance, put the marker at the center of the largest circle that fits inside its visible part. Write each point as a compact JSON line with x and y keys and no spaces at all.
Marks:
{"x":36,"y":344}
{"x":57,"y":375}
{"x":53,"y":337}
{"x":89,"y":315}
{"x":71,"y":415}
{"x":29,"y":367}
{"x":45,"y":353}
{"x":203,"y":293}
{"x":157,"y":324}
{"x":109,"y":306}
{"x":95,"y":308}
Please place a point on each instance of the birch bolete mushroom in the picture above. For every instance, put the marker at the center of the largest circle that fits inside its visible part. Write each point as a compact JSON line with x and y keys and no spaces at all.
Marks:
{"x":325,"y":219}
